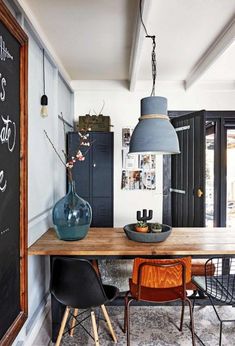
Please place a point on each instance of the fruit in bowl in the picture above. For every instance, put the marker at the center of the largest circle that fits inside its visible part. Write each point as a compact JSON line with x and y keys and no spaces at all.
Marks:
{"x":141,"y":227}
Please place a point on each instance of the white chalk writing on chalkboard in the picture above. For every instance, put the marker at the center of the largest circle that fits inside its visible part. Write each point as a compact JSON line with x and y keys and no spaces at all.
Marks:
{"x":4,"y":231}
{"x":3,"y":182}
{"x":4,"y":53}
{"x":3,"y":83}
{"x":8,"y":129}
{"x":8,"y":133}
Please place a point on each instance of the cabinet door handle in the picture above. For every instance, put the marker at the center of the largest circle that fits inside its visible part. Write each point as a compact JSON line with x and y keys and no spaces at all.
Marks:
{"x":94,"y":165}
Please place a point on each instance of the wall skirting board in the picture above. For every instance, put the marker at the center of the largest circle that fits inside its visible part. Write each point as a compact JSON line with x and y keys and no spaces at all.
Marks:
{"x":35,"y":323}
{"x":38,"y":279}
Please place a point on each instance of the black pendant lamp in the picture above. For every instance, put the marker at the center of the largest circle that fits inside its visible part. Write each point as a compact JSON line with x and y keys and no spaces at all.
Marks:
{"x":154,"y":134}
{"x":44,"y":99}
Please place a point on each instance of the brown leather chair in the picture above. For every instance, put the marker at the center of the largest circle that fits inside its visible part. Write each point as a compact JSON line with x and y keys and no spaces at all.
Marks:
{"x":158,"y":281}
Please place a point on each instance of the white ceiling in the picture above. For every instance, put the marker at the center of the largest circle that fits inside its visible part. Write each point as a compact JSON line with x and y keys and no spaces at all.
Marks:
{"x":93,"y":39}
{"x":184,"y":29}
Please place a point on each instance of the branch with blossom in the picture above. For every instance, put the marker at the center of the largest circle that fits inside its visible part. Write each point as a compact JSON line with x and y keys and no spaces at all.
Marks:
{"x":69,"y":162}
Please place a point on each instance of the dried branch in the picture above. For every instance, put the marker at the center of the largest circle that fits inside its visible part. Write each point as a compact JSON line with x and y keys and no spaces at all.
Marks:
{"x":102,"y":107}
{"x":63,"y":128}
{"x":54,"y":148}
{"x":65,"y":155}
{"x":78,"y":155}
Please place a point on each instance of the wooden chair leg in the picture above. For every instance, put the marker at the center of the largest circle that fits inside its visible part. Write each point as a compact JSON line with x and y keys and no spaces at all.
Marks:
{"x":94,"y":328}
{"x":63,"y":324}
{"x":95,"y":265}
{"x":73,"y":322}
{"x":191,"y":321}
{"x":106,"y":316}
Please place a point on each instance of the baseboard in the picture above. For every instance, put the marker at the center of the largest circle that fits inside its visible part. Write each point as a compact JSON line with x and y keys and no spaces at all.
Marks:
{"x":37,"y":322}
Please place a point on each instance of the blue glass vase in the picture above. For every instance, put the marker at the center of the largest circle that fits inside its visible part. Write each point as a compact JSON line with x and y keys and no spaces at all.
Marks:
{"x":72,"y":216}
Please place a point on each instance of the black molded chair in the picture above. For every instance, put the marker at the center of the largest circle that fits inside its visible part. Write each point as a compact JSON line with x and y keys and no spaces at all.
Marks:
{"x":218,"y":284}
{"x":75,"y":284}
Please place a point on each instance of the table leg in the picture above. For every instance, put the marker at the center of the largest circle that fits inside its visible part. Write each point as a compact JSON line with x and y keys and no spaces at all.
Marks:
{"x":57,"y":312}
{"x":95,"y":265}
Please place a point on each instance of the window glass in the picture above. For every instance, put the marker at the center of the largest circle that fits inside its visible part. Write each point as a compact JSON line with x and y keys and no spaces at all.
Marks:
{"x":230,"y":212}
{"x":210,"y":139}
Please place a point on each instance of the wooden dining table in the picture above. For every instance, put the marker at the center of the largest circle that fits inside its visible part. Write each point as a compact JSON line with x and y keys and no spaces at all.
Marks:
{"x":113,"y":243}
{"x":109,"y":243}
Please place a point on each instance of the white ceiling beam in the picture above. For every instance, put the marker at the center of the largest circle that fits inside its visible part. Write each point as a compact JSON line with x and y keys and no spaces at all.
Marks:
{"x":217,"y":48}
{"x":137,"y":43}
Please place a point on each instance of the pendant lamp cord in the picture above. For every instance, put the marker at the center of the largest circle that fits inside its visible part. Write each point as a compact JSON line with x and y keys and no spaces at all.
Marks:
{"x":154,"y":67}
{"x":43,"y":67}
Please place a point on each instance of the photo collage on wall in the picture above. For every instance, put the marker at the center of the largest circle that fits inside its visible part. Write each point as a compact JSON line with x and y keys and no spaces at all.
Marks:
{"x":138,"y":171}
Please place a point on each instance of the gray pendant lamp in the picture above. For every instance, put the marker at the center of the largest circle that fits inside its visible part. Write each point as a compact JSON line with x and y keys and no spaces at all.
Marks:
{"x":154,"y":134}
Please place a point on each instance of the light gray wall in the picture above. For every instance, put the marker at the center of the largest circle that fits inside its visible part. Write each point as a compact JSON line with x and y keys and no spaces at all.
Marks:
{"x":65,"y":107}
{"x":45,"y":174}
{"x":46,"y":177}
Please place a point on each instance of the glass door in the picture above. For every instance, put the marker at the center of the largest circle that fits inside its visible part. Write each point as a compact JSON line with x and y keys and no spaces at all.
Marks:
{"x":220,"y":172}
{"x":230,"y":153}
{"x":210,"y":162}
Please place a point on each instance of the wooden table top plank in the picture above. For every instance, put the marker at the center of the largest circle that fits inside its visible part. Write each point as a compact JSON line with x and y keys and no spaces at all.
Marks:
{"x":113,"y":242}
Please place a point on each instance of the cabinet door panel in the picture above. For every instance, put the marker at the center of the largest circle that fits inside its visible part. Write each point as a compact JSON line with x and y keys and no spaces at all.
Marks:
{"x":102,"y":162}
{"x":81,"y":170}
{"x":102,"y":212}
{"x":94,"y":176}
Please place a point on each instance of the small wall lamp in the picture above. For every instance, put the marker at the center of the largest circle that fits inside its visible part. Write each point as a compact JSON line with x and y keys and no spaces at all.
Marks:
{"x":44,"y":98}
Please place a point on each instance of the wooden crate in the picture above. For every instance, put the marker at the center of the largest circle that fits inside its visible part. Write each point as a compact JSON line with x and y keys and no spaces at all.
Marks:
{"x":99,"y":123}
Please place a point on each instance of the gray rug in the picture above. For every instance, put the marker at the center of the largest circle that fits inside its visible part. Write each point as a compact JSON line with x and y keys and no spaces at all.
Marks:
{"x":157,"y":325}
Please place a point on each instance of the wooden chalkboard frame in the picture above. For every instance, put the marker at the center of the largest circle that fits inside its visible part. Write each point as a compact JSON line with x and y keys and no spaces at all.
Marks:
{"x":17,"y":32}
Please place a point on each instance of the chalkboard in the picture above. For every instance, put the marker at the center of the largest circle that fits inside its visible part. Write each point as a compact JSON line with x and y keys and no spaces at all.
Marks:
{"x":13,"y":176}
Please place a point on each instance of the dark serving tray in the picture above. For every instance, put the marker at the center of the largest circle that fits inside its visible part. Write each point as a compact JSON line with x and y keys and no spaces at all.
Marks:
{"x":150,"y":237}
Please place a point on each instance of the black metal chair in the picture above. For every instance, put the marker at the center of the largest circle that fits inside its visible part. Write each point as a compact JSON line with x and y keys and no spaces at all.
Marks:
{"x":75,"y":284}
{"x":218,"y":285}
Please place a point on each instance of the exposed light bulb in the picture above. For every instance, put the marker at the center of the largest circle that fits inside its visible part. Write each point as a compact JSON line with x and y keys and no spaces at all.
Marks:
{"x":44,"y":104}
{"x":44,"y":112}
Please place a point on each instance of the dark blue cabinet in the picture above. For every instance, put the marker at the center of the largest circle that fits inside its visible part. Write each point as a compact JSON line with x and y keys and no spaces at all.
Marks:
{"x":94,"y":176}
